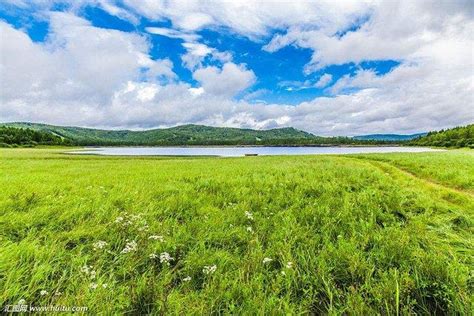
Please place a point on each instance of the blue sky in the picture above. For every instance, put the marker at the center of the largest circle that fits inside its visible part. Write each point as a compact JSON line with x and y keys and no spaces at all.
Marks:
{"x":267,"y":67}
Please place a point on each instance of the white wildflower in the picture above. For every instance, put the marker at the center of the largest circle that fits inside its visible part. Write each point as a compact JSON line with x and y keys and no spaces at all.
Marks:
{"x":187,"y":279}
{"x":119,"y":219}
{"x":250,"y":229}
{"x":249,"y":215}
{"x":104,"y":285}
{"x":165,"y":258}
{"x":209,"y":269}
{"x":157,"y":237}
{"x":267,"y":260}
{"x":86,"y":269}
{"x":153,"y":256}
{"x":99,"y":244}
{"x":43,"y":292}
{"x":93,"y":285}
{"x":130,"y":246}
{"x":289,"y":265}
{"x":144,"y":228}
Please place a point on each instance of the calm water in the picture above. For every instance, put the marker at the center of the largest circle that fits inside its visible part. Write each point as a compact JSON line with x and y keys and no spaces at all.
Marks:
{"x":242,"y":151}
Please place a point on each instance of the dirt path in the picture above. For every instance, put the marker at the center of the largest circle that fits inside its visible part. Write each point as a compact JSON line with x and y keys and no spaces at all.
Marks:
{"x":449,"y":194}
{"x":384,"y":165}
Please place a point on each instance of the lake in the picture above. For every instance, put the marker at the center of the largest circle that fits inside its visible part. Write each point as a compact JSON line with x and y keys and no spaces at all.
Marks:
{"x":242,"y":151}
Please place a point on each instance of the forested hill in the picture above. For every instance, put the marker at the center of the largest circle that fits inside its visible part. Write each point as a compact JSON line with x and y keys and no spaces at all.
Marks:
{"x":30,"y":134}
{"x":187,"y":135}
{"x":462,"y":136}
{"x":181,"y":135}
{"x":12,"y":136}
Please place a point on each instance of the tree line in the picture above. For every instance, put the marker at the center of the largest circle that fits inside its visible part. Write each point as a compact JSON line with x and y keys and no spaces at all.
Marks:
{"x":25,"y":137}
{"x":462,"y":136}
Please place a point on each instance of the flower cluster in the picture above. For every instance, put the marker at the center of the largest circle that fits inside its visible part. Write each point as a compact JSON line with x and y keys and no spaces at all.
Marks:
{"x":209,"y":269}
{"x":43,"y":292}
{"x":94,"y":285}
{"x":156,"y":237}
{"x":130,"y":246}
{"x":132,"y":220}
{"x":99,"y":244}
{"x":249,"y":215}
{"x":187,"y":279}
{"x":165,"y":258}
{"x":88,"y":270}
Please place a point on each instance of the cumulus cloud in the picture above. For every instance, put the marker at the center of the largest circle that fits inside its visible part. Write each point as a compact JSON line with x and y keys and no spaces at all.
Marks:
{"x":79,"y":67}
{"x":251,"y":19}
{"x":395,"y":30}
{"x":228,"y":81}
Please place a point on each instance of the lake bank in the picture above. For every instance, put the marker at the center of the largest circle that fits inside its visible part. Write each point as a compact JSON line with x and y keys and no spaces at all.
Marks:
{"x":236,"y":151}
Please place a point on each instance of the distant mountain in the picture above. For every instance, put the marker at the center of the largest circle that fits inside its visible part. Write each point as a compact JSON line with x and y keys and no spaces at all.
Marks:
{"x":389,"y":137}
{"x":462,"y":136}
{"x":180,"y":135}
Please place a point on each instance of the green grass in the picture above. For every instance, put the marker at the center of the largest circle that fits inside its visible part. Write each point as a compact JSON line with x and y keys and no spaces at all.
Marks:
{"x":454,"y":168}
{"x":363,"y":236}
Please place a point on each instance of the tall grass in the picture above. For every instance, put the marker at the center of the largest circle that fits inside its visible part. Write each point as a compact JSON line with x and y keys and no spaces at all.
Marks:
{"x":254,"y":235}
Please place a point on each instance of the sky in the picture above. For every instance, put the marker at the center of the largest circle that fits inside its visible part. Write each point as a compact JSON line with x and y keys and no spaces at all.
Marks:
{"x":327,"y":67}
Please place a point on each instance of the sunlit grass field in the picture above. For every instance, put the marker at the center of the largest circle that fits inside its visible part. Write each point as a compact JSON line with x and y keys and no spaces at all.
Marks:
{"x":390,"y":234}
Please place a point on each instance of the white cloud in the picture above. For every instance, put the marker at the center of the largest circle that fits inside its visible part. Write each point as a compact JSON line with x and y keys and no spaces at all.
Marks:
{"x":396,"y":30}
{"x":161,"y":69}
{"x":187,"y":37}
{"x":78,"y":69}
{"x":196,"y":91}
{"x":323,"y":81}
{"x":249,"y":18}
{"x":228,"y":81}
{"x":112,"y":9}
{"x":197,"y":49}
{"x":74,"y":6}
{"x":197,"y":52}
{"x":291,"y":85}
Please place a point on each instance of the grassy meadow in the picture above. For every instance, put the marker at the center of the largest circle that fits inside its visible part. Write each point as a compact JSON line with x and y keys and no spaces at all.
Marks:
{"x":361,"y":234}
